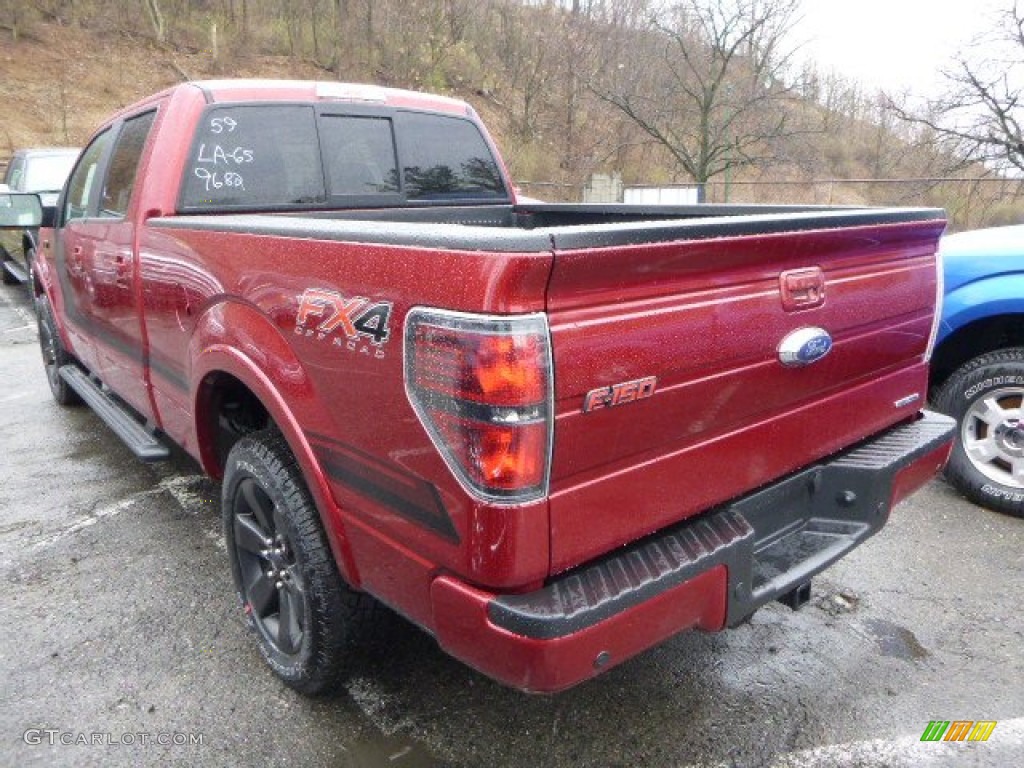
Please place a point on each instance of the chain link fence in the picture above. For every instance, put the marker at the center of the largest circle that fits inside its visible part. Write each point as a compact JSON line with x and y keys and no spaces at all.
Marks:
{"x":970,"y":203}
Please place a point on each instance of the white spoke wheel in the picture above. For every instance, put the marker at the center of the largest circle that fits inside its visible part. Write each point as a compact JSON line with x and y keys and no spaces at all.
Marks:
{"x":986,"y":397}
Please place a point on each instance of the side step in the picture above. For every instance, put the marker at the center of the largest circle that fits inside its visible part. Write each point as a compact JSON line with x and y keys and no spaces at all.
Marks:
{"x":15,"y":270}
{"x":136,"y":436}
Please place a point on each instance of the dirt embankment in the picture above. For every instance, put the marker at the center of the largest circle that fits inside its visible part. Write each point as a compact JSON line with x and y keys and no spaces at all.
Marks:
{"x":58,"y":83}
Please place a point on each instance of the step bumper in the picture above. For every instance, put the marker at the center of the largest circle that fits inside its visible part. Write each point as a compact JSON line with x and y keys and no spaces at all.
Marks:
{"x":709,"y":572}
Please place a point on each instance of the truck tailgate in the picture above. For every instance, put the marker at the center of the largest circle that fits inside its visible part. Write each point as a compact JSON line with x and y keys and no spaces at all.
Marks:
{"x":699,"y":323}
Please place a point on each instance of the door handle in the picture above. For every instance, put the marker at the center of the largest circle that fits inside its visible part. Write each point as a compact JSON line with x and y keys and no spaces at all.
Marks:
{"x":75,"y":260}
{"x":120,"y":271}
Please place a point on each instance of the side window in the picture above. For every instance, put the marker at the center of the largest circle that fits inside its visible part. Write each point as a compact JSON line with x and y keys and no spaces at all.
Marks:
{"x":124,"y":162}
{"x":80,"y":185}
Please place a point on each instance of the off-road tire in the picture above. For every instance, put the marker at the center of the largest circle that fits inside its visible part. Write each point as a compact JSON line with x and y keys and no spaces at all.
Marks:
{"x":986,"y":397}
{"x":305,"y":618}
{"x":30,"y":268}
{"x":54,"y":355}
{"x":8,"y":278}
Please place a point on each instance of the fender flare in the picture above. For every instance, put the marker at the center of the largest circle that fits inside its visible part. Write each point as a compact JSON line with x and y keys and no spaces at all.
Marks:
{"x":237,"y":339}
{"x":49,"y":289}
{"x":993,"y":296}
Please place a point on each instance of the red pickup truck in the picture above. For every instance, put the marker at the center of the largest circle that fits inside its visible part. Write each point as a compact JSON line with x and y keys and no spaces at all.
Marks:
{"x":550,"y":435}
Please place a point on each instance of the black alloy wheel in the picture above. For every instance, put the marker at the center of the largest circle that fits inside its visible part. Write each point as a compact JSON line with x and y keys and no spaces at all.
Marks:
{"x":304,"y":616}
{"x":54,"y":355}
{"x":272,"y":585}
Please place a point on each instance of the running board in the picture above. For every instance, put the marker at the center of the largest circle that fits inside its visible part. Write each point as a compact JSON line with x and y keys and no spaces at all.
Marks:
{"x":140,"y":440}
{"x":14,"y":269}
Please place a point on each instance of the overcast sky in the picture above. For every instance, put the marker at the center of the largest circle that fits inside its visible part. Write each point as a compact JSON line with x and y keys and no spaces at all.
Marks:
{"x":891,"y":44}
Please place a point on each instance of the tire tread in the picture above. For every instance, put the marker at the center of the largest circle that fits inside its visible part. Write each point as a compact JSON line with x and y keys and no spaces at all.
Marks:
{"x":949,"y":400}
{"x":338,"y":615}
{"x":62,"y":392}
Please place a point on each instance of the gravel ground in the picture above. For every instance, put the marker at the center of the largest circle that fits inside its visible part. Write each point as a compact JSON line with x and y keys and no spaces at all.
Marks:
{"x":126,"y":646}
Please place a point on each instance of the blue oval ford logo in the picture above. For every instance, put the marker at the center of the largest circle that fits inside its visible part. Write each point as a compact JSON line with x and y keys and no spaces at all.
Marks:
{"x":804,"y":346}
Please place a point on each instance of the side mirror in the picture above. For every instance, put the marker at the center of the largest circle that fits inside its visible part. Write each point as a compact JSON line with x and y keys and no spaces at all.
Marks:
{"x":20,"y":210}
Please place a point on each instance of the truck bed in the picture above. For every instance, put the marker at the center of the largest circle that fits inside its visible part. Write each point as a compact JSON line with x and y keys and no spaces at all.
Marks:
{"x":540,"y":227}
{"x":691,"y":297}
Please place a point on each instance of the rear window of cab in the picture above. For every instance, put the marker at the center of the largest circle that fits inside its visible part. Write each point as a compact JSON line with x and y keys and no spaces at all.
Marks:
{"x":281,"y":156}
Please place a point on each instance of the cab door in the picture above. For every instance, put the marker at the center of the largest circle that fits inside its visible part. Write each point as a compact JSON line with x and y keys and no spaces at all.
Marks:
{"x":74,"y":246}
{"x":95,"y":255}
{"x":112,"y":272}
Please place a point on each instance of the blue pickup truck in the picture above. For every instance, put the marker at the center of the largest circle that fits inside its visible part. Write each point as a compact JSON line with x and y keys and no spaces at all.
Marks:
{"x":977,"y":371}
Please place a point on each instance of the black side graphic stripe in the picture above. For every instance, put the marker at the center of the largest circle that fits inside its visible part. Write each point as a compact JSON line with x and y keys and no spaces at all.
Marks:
{"x":411,"y":497}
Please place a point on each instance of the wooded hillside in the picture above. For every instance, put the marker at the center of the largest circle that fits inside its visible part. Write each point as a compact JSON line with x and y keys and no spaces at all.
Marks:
{"x":568,"y":88}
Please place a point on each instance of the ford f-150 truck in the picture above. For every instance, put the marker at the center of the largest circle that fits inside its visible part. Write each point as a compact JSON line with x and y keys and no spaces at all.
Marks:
{"x":550,"y":435}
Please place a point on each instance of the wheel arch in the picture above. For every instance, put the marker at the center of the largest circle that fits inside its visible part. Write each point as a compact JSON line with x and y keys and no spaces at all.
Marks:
{"x":238,"y":357}
{"x":977,"y":337}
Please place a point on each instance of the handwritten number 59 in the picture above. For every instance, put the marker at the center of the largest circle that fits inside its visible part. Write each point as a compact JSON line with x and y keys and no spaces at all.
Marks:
{"x":222,"y":125}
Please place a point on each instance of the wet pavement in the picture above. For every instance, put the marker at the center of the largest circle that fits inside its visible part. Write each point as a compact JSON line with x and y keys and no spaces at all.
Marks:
{"x":124,"y":645}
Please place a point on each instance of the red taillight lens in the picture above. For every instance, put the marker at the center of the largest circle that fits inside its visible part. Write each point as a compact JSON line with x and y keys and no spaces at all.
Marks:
{"x":481,"y":386}
{"x":498,"y":457}
{"x":493,"y":370}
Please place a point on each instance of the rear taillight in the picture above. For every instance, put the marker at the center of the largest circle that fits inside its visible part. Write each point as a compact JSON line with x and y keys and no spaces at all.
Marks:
{"x":482,"y":388}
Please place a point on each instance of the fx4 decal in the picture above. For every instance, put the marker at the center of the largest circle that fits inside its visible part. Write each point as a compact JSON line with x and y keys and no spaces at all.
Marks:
{"x":356,"y":323}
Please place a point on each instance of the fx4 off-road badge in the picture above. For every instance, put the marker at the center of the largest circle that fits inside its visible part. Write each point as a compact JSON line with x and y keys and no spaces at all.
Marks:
{"x":355,"y":323}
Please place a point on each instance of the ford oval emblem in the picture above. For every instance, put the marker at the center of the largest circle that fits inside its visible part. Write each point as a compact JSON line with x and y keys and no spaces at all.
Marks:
{"x":804,"y":346}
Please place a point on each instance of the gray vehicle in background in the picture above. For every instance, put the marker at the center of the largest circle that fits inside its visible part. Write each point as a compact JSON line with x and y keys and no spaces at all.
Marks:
{"x":43,"y":171}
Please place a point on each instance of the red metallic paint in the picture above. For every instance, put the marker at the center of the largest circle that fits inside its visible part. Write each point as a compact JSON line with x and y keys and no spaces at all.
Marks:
{"x":724,"y":408}
{"x":703,"y":316}
{"x":220,"y":355}
{"x":912,"y":477}
{"x":499,"y":547}
{"x":546,"y":666}
{"x":661,"y":486}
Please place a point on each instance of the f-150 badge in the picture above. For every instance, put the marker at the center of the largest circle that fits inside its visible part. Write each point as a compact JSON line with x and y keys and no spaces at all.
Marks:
{"x":804,"y":346}
{"x":619,"y":394}
{"x":356,"y":323}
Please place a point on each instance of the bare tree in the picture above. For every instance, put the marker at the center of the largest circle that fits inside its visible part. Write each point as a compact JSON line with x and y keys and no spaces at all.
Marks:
{"x":582,"y":39}
{"x":980,"y":114}
{"x":706,"y":81}
{"x":156,"y":18}
{"x":341,"y":21}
